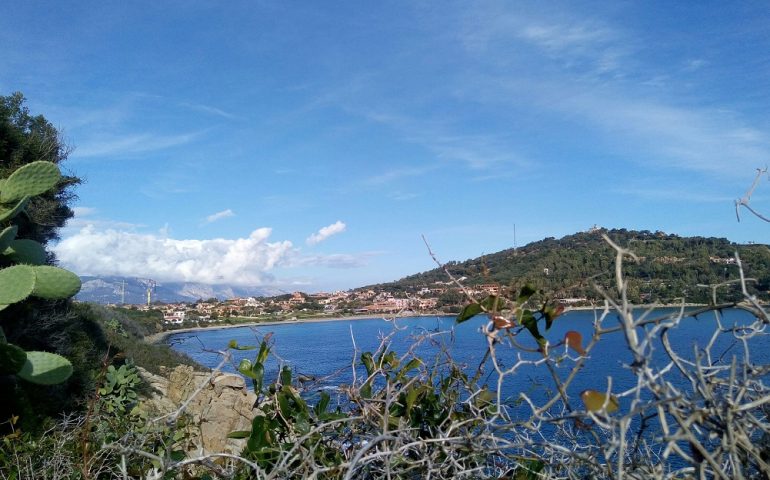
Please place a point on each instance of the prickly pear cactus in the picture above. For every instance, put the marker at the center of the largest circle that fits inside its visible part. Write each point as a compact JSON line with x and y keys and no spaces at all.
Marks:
{"x":16,"y":283}
{"x":7,"y":236}
{"x":25,"y":251}
{"x":45,"y":368}
{"x":29,"y":276}
{"x":12,"y":359}
{"x":30,"y":180}
{"x":54,"y":283}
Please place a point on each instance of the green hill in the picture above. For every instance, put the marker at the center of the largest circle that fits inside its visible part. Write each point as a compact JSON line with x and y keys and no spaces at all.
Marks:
{"x":670,"y":267}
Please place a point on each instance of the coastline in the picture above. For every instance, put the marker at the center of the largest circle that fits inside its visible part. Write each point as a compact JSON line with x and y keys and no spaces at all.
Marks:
{"x":161,"y":337}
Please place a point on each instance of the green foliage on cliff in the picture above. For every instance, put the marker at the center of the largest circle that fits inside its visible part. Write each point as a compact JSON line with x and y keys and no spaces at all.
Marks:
{"x":670,"y":266}
{"x":25,"y":138}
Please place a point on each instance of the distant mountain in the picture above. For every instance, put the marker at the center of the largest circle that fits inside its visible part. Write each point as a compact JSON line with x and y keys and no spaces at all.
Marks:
{"x":670,"y":267}
{"x":108,"y":289}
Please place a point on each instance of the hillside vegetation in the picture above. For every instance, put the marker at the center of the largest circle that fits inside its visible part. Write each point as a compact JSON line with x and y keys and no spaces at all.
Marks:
{"x":670,"y":267}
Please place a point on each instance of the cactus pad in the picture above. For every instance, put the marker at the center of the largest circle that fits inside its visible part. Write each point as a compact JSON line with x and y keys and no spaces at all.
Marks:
{"x":6,"y":236}
{"x":8,"y":212}
{"x":30,"y":180}
{"x":16,"y":283}
{"x":54,"y":283}
{"x":45,"y":368}
{"x":12,"y":358}
{"x":26,"y":251}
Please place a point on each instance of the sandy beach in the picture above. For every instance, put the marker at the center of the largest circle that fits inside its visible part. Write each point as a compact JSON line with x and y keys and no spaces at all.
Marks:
{"x":161,"y":336}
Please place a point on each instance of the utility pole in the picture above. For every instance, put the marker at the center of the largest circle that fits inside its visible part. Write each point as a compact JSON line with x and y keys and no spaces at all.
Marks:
{"x":123,"y":293}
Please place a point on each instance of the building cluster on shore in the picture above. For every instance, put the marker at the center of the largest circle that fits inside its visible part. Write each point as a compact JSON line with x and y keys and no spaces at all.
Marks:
{"x":438,"y":298}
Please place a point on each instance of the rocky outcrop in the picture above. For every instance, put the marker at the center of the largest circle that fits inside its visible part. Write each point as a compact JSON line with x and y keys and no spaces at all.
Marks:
{"x":223,"y":405}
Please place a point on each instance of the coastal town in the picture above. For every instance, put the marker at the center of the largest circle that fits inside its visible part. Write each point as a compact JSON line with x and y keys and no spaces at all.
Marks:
{"x":442,"y":298}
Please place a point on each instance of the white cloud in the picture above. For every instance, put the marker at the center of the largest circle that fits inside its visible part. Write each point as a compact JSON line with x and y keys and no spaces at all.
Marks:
{"x":242,"y":261}
{"x":398,"y":174}
{"x":444,"y":140}
{"x":698,"y":139}
{"x":83,"y":211}
{"x":334,"y":260}
{"x":326,"y":232}
{"x":107,"y":146}
{"x":210,"y":110}
{"x":219,"y":215}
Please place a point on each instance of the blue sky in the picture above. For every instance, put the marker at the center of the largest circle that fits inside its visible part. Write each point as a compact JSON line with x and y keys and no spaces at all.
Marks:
{"x":308,"y":145}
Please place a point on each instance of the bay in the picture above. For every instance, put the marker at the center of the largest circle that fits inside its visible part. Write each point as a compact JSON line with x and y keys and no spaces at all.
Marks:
{"x":325,"y":351}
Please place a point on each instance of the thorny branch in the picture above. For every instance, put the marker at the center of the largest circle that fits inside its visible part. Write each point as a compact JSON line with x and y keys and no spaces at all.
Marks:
{"x":744,"y":201}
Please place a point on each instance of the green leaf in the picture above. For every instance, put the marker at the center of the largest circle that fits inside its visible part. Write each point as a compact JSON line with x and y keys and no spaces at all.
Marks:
{"x":245,"y":368}
{"x":177,"y":455}
{"x":526,"y":292}
{"x":530,"y":322}
{"x":239,"y":434}
{"x":234,"y":345}
{"x":286,"y":376}
{"x":32,"y":179}
{"x":493,"y":303}
{"x":368,"y":361}
{"x":45,"y":368}
{"x":264,"y":350}
{"x":411,"y":396}
{"x":470,"y":310}
{"x":258,"y":377}
{"x":411,"y":365}
{"x":16,"y":283}
{"x":8,"y":212}
{"x":258,"y":439}
{"x":12,"y":359}
{"x":284,"y":405}
{"x":366,"y":390}
{"x":54,"y":283}
{"x":26,"y":251}
{"x":6,"y":236}
{"x":323,"y":404}
{"x":550,"y":313}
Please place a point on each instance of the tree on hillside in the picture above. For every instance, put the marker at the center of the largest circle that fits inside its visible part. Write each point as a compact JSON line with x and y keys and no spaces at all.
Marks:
{"x":37,"y":324}
{"x":25,"y":138}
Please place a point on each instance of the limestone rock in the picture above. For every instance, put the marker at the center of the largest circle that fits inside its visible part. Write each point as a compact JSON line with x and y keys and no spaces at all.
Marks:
{"x":224,"y":405}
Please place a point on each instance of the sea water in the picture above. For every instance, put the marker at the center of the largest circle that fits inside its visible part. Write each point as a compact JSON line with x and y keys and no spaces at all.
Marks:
{"x":327,"y":351}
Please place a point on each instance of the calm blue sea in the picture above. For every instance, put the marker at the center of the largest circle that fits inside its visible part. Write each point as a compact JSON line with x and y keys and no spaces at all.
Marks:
{"x":326,"y":349}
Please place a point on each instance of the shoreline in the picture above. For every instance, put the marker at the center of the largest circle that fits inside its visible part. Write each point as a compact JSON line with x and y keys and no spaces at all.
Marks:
{"x":161,"y":337}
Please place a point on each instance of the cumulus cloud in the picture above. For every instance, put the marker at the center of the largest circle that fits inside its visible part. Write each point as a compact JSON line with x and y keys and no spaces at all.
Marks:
{"x":242,"y":261}
{"x":219,"y":215}
{"x":326,"y":232}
